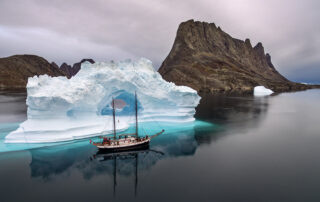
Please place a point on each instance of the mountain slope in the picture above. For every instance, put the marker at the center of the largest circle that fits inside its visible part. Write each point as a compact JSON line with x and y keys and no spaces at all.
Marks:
{"x":207,"y":59}
{"x":15,"y":70}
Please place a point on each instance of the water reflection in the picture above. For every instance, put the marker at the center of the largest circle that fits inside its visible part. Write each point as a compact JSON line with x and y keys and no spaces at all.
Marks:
{"x":227,"y":109}
{"x":233,"y":114}
{"x":125,"y":163}
{"x":13,"y":107}
{"x":177,"y":160}
{"x":52,"y":161}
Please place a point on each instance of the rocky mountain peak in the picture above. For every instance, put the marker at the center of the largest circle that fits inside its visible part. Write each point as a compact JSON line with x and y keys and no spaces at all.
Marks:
{"x":259,"y":49}
{"x":206,"y":58}
{"x":248,"y":43}
{"x":54,"y":65}
{"x":73,"y":70}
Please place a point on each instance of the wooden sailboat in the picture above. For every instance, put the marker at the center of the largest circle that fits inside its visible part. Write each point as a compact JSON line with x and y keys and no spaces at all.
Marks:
{"x":124,"y":142}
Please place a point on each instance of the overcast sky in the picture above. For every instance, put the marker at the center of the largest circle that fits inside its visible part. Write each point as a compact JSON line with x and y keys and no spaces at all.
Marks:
{"x":69,"y":30}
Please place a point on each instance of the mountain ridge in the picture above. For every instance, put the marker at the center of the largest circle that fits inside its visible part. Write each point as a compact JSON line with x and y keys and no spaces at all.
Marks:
{"x":15,"y":70}
{"x":70,"y":71}
{"x":207,"y":59}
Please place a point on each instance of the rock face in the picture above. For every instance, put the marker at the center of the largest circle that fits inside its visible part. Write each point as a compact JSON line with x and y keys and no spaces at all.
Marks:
{"x":15,"y":70}
{"x":67,"y":69}
{"x":71,"y":71}
{"x":207,"y":59}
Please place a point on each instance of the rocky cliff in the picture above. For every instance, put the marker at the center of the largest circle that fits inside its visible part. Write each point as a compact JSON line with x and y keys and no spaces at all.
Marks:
{"x":15,"y":70}
{"x":207,"y":59}
{"x":71,"y":71}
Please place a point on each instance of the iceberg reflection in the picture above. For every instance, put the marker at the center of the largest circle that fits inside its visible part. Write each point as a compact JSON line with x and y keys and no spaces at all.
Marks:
{"x":52,"y":161}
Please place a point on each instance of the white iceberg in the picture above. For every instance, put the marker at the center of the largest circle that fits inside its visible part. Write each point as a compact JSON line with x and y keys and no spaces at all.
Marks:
{"x":61,"y":109}
{"x":261,"y":91}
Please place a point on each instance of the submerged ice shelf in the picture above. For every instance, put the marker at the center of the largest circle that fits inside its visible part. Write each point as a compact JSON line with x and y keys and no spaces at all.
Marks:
{"x":61,"y":109}
{"x":176,"y":134}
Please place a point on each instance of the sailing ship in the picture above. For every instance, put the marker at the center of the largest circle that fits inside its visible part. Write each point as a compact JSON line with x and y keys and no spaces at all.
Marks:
{"x":124,"y":142}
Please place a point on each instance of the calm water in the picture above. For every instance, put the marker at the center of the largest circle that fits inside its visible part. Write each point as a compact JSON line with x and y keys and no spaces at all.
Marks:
{"x":239,"y":149}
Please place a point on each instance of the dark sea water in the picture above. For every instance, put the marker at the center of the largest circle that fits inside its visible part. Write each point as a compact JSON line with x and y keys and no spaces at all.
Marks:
{"x":241,"y":148}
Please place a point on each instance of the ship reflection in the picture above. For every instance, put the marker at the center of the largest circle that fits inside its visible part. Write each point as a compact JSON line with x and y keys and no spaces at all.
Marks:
{"x":48,"y":163}
{"x":124,"y":156}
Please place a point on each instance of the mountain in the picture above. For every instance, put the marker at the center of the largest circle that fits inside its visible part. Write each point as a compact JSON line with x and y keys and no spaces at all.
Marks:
{"x":15,"y":70}
{"x":67,"y":69}
{"x":71,"y":71}
{"x":208,"y":59}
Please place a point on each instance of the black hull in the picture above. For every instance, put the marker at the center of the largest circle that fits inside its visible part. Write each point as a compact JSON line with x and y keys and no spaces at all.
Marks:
{"x":142,"y":146}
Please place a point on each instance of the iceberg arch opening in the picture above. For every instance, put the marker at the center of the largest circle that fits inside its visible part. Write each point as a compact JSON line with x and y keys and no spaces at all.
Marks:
{"x":124,"y":104}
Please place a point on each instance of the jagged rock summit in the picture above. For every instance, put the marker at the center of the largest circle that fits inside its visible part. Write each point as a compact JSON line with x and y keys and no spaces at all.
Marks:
{"x":15,"y":70}
{"x":71,"y":71}
{"x":207,"y":59}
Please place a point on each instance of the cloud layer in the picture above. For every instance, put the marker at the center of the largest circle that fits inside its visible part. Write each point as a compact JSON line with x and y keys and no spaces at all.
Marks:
{"x":67,"y":31}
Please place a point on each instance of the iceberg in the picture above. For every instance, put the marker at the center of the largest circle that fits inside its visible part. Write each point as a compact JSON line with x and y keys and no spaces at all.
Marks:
{"x":61,"y":109}
{"x":261,"y":91}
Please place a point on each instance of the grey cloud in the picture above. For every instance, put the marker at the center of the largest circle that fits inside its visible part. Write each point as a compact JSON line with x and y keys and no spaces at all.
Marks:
{"x":300,"y":73}
{"x":118,"y":29}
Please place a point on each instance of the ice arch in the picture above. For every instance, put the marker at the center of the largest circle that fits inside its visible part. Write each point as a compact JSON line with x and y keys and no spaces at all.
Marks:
{"x":61,"y":109}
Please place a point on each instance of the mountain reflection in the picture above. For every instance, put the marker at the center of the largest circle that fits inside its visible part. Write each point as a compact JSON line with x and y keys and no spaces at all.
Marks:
{"x":224,"y":115}
{"x":234,"y":114}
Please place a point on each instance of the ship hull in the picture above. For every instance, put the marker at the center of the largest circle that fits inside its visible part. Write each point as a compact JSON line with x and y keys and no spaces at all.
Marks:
{"x":127,"y":147}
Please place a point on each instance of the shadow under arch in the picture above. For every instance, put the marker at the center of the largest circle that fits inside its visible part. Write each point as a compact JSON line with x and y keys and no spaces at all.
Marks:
{"x":124,"y":103}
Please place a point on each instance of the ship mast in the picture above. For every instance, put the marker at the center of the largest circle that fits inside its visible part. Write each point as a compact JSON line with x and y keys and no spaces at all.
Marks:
{"x":136,"y":106}
{"x":114,"y":119}
{"x":136,"y":179}
{"x":114,"y":175}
